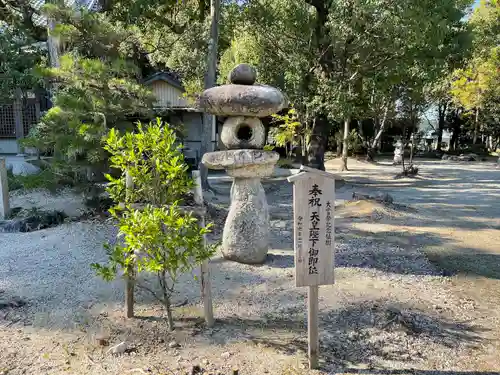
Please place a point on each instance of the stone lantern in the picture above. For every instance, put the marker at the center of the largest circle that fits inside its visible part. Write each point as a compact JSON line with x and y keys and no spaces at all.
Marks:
{"x":246,"y":232}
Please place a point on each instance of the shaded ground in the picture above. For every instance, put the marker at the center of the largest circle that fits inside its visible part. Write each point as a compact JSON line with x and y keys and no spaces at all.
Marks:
{"x":392,"y":311}
{"x":457,"y":227}
{"x":459,"y":202}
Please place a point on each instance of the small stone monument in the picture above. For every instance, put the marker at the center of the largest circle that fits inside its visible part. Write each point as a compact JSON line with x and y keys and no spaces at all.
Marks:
{"x":4,"y":191}
{"x":246,"y":232}
{"x":398,"y":153}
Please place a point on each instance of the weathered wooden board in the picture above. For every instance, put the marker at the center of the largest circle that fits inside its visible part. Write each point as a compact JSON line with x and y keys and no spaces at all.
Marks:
{"x":313,"y":207}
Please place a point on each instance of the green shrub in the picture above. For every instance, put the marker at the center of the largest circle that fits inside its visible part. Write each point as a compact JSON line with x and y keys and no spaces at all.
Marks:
{"x":45,"y":179}
{"x":160,"y":238}
{"x":285,"y":163}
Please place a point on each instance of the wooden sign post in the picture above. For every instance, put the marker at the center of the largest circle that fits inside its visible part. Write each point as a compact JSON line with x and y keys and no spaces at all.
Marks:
{"x":313,"y":212}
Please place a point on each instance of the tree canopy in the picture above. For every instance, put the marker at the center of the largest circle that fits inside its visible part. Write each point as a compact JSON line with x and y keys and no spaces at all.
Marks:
{"x":476,"y":85}
{"x":342,"y":63}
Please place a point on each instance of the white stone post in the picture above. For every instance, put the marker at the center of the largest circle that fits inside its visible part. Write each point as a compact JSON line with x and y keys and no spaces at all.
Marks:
{"x":4,"y":191}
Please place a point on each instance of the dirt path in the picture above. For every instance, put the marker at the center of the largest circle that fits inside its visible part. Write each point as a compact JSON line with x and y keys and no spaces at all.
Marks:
{"x":391,"y":309}
{"x":459,"y":202}
{"x":457,"y":227}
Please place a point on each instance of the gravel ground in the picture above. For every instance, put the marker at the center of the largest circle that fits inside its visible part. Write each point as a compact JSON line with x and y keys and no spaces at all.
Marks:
{"x":65,"y":200}
{"x":390,"y":307}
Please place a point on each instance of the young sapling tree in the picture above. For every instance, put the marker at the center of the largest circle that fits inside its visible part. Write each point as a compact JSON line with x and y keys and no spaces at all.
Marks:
{"x":158,"y":237}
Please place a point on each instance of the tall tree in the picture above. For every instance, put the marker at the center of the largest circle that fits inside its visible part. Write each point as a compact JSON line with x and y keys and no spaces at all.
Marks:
{"x":476,"y":86}
{"x":97,"y":87}
{"x":339,"y":60}
{"x":22,"y":15}
{"x":210,"y":78}
{"x":18,"y":59}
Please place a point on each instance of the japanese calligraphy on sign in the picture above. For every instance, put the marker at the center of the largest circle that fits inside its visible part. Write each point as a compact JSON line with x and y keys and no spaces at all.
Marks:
{"x":314,"y":205}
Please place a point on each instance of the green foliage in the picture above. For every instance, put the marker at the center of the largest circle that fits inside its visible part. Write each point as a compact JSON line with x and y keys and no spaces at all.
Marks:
{"x":45,"y":179}
{"x":92,"y":96}
{"x":286,"y":134}
{"x":348,"y":59}
{"x":354,"y":141}
{"x":485,"y":23}
{"x":157,"y":240}
{"x":160,"y":238}
{"x":13,"y":181}
{"x":96,"y":87}
{"x":333,"y":59}
{"x":17,"y":62}
{"x":476,"y":86}
{"x":285,"y":163}
{"x":153,"y":158}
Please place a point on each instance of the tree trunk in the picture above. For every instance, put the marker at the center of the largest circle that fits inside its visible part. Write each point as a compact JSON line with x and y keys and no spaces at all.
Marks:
{"x":456,"y":128}
{"x":53,"y":44}
{"x":361,"y":132}
{"x":476,"y":127}
{"x":412,"y":147}
{"x":209,"y":120}
{"x":162,"y":278}
{"x":403,"y":158}
{"x":370,"y":155}
{"x":303,"y":146}
{"x":441,"y":121}
{"x":453,"y":141}
{"x":317,"y":143}
{"x":403,"y":145}
{"x":345,"y":145}
{"x":370,"y":150}
{"x":170,"y":319}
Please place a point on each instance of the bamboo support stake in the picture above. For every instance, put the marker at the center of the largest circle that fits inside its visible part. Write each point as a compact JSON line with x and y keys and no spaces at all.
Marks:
{"x":130,"y":278}
{"x":206,"y":290}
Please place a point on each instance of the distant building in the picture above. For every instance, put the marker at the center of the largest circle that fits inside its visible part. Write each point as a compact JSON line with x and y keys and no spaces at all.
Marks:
{"x":16,"y":119}
{"x":430,"y":140}
{"x":172,"y":106}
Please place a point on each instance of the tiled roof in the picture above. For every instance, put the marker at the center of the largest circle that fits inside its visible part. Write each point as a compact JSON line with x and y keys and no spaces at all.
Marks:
{"x":87,"y":4}
{"x":169,"y":77}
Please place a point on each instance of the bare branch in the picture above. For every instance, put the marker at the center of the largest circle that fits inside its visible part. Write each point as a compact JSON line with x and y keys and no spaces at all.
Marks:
{"x":153,"y":293}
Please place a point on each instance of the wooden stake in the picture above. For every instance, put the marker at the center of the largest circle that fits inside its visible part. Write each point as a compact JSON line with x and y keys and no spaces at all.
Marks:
{"x":130,"y":278}
{"x":312,"y":326}
{"x":206,"y":290}
{"x":4,"y":191}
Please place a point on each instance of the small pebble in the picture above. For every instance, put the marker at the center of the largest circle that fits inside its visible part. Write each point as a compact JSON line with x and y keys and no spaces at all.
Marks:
{"x":102,"y":339}
{"x":196,"y":370}
{"x":173,"y":344}
{"x":225,"y":355}
{"x":118,"y":349}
